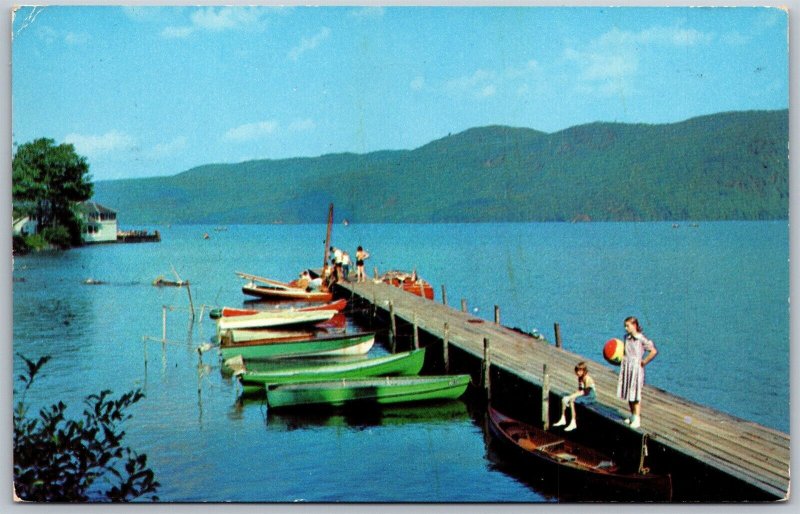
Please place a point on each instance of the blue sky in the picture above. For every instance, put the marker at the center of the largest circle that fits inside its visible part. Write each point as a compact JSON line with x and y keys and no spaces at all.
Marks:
{"x":158,"y":90}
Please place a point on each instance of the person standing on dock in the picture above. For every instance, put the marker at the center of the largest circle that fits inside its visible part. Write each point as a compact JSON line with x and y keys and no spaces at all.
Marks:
{"x":361,"y":256}
{"x":631,"y":371}
{"x":346,"y":266}
{"x":584,"y":394}
{"x":337,"y":263}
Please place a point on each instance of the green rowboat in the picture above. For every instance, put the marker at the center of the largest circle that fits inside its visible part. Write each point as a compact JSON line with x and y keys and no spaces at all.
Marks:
{"x":405,"y":363}
{"x":341,"y":344}
{"x":380,"y":390}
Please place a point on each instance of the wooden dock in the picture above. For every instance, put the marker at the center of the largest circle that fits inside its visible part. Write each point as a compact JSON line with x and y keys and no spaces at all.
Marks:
{"x":700,"y":446}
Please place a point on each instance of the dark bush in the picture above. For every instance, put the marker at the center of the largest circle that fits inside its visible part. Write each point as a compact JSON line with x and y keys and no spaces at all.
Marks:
{"x":57,"y":459}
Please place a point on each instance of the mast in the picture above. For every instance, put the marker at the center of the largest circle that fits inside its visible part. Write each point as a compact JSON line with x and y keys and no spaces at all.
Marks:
{"x":328,"y":237}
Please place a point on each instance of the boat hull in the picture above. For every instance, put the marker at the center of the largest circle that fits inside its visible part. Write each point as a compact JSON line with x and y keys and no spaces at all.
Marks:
{"x":350,"y":344}
{"x":399,"y":364}
{"x":286,"y":293}
{"x":229,"y":312}
{"x":408,"y":282}
{"x":274,"y":319}
{"x":383,"y":390}
{"x":574,"y":470}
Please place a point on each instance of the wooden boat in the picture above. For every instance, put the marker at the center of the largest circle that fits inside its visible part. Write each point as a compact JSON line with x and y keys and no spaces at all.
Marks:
{"x":243,"y":335}
{"x":279,"y":348}
{"x":409,"y":282}
{"x":228,"y":312}
{"x":274,"y":319}
{"x":401,"y":364}
{"x":160,"y":281}
{"x":262,"y":287}
{"x":379,"y":390}
{"x":576,"y":469}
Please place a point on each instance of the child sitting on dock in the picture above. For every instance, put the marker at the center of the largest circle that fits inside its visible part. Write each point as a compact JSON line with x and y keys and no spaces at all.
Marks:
{"x":584,"y":394}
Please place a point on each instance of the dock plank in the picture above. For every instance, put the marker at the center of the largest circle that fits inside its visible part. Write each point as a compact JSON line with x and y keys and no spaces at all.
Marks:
{"x":743,"y":449}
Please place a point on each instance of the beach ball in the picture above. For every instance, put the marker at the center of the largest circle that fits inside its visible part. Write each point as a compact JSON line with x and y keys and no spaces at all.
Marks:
{"x":613,"y":350}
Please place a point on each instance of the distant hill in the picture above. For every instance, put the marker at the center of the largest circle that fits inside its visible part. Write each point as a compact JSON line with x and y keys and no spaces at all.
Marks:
{"x":727,"y":166}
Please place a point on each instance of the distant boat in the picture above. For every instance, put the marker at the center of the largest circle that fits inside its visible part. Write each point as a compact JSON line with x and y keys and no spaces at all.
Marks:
{"x":280,"y":348}
{"x":160,"y":281}
{"x":405,"y":363}
{"x":408,"y":282}
{"x":575,"y":468}
{"x":378,"y":390}
{"x":262,"y":287}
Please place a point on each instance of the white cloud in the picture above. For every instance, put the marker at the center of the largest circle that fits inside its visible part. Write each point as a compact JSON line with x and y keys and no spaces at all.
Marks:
{"x":671,"y":36}
{"x":417,"y":84}
{"x":302,"y":125}
{"x":76,"y":38}
{"x":211,"y":19}
{"x":608,"y":64}
{"x":485,"y":83}
{"x":91,"y":145}
{"x":251,"y":131}
{"x":176,"y":32}
{"x":307,"y":44}
{"x":487,"y":91}
{"x":735,"y":38}
{"x":50,"y":36}
{"x":603,"y":71}
{"x":143,"y":13}
{"x":169,"y":148}
{"x":526,"y":69}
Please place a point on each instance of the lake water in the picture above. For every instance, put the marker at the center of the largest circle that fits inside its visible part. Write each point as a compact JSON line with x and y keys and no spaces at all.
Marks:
{"x":713,"y":297}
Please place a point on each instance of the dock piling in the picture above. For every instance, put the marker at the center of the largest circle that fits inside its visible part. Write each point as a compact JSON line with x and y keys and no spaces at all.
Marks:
{"x":445,"y":349}
{"x":487,"y":365}
{"x":545,"y":398}
{"x":496,"y":315}
{"x":444,"y":295}
{"x":392,"y":328}
{"x":416,"y":332}
{"x":463,"y":305}
{"x":557,"y":329}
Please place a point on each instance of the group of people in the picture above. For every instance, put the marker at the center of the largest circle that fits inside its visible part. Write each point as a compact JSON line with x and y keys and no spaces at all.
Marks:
{"x":639,"y":351}
{"x":341,"y":262}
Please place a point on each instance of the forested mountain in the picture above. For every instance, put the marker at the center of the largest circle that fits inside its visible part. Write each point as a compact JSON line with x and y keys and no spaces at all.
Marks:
{"x":727,"y":166}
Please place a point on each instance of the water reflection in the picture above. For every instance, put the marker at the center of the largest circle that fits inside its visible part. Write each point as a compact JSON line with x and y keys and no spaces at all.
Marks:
{"x":359,"y":417}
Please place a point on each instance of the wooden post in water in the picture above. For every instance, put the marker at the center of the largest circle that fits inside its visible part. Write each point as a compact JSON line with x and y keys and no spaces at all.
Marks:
{"x":444,"y":295}
{"x":191,"y":303}
{"x":496,"y":315}
{"x":327,"y":239}
{"x":463,"y":305}
{"x":545,"y":398}
{"x":144,"y":342}
{"x":392,"y":327}
{"x":445,"y":349}
{"x":487,"y":366}
{"x":557,"y":329}
{"x":416,"y":332}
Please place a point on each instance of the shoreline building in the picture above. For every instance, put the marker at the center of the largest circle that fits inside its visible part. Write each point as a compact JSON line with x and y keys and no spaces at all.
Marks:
{"x":99,"y":223}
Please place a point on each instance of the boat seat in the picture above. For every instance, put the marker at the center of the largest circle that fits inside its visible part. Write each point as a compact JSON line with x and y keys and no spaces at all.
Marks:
{"x":548,"y":445}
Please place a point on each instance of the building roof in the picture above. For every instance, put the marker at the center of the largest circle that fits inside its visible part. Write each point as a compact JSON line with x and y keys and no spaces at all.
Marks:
{"x":89,"y":207}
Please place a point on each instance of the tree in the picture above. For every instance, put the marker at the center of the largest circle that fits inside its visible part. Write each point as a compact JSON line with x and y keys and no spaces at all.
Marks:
{"x":62,"y":460}
{"x":47,"y":182}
